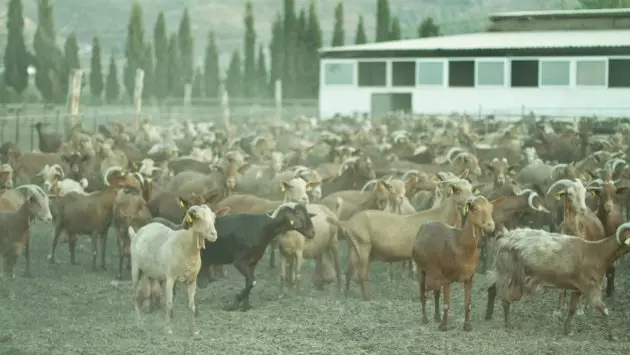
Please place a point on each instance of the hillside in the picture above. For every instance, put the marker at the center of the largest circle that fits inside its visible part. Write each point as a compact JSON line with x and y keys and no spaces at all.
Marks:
{"x":107,"y":19}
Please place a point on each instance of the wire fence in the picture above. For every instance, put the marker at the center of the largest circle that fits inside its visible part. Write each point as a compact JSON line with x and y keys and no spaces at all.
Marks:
{"x":17,"y":121}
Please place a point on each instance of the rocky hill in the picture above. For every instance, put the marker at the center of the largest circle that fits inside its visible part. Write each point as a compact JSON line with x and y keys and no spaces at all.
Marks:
{"x":107,"y":19}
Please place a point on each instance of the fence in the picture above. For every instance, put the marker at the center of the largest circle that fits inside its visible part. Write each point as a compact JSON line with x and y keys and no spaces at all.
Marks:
{"x":16,"y":121}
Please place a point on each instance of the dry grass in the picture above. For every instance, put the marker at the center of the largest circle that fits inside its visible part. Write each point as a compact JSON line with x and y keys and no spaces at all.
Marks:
{"x":68,"y":309}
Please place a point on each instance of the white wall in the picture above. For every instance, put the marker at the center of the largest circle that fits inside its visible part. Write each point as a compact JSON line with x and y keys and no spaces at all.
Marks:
{"x":571,"y":101}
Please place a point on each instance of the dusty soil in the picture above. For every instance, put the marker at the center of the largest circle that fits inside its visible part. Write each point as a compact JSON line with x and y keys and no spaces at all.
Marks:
{"x":68,"y":309}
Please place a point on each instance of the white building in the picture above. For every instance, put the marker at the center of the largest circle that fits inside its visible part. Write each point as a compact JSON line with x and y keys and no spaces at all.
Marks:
{"x":583,"y":69}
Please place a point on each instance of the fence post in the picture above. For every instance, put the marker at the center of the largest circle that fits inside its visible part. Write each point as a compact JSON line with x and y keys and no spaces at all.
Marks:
{"x":17,"y":125}
{"x":278,"y":99}
{"x":32,"y":131}
{"x":137,"y":95}
{"x":225,"y":103}
{"x":76,"y":94}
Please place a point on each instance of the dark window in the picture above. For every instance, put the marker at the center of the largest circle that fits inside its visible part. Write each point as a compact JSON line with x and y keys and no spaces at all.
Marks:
{"x":524,"y":73}
{"x":461,"y":73}
{"x":372,"y":74}
{"x":619,"y":73}
{"x":403,"y":73}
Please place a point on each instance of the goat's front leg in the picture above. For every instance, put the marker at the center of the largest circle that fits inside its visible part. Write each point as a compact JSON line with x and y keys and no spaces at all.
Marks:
{"x":610,"y":281}
{"x":423,"y":295}
{"x":272,"y":254}
{"x":27,"y":257}
{"x":242,"y":298}
{"x":56,"y":235}
{"x":121,"y":250}
{"x":601,"y":307}
{"x":168,"y":291}
{"x":447,"y":305}
{"x":575,"y":297}
{"x":467,"y":304}
{"x":283,"y":272}
{"x":94,"y":249}
{"x":192,"y":287}
{"x":561,"y":303}
{"x":104,"y":249}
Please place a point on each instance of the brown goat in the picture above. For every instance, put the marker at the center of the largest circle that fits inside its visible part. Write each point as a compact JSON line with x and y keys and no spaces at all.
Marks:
{"x":129,"y":210}
{"x":90,"y":214}
{"x":173,"y":207}
{"x":450,"y":254}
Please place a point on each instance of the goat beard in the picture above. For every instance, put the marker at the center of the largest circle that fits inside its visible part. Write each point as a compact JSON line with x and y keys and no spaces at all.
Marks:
{"x":201,"y":243}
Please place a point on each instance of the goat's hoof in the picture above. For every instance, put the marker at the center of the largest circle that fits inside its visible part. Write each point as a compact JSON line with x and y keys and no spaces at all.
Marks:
{"x":169,"y":331}
{"x":611,"y":337}
{"x":202,"y":282}
{"x":437,"y":318}
{"x":425,"y":320}
{"x":558,"y":314}
{"x":443,"y":327}
{"x":195,"y":333}
{"x":246,"y":307}
{"x":579,"y":312}
{"x":51,"y":260}
{"x":467,"y":327}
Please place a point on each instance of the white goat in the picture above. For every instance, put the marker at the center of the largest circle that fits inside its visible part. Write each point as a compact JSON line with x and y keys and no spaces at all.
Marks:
{"x":55,"y":181}
{"x":159,"y":253}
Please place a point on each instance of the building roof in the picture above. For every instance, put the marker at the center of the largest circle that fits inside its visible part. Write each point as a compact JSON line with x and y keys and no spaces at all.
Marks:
{"x":500,"y":40}
{"x":622,"y":12}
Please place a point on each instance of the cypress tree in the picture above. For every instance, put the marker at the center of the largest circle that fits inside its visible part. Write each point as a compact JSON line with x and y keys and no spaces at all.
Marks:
{"x":185,"y":42}
{"x":313,"y":43}
{"x":175,"y":84}
{"x":134,"y":48}
{"x":96,"y":70}
{"x":149,"y":75}
{"x":112,"y":87}
{"x":49,"y":58}
{"x":360,"y":37}
{"x":300,"y":56}
{"x":395,"y":34}
{"x":197,"y":89}
{"x":276,"y":50}
{"x":160,"y":73}
{"x":290,"y":47}
{"x":383,"y":21}
{"x":249,"y":52}
{"x":71,"y":59}
{"x":211,"y":68}
{"x":428,"y":28}
{"x":339,"y":35}
{"x":234,"y":77}
{"x":16,"y":56}
{"x":261,"y":73}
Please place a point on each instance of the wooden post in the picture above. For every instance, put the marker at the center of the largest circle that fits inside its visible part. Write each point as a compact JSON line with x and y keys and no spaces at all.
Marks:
{"x":278,"y":99}
{"x":137,"y":95}
{"x":76,"y":94}
{"x":187,"y":95}
{"x":225,"y":103}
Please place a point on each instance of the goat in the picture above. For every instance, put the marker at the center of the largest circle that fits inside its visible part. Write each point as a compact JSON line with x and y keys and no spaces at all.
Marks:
{"x":159,"y":253}
{"x":243,"y":239}
{"x":529,"y":260}
{"x":49,"y":142}
{"x":450,"y":254}
{"x":55,"y":181}
{"x":15,"y":226}
{"x":89,"y":214}
{"x":129,"y":210}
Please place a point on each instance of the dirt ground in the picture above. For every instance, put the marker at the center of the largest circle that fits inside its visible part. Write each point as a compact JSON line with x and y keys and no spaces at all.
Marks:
{"x":68,"y":309}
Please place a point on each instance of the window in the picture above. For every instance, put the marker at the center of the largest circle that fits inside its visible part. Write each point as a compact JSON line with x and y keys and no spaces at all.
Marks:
{"x":619,"y":73}
{"x":524,"y":73}
{"x":431,"y":73}
{"x":490,"y":73}
{"x":590,"y":72}
{"x":403,"y":73}
{"x":372,"y":73}
{"x":339,"y":73}
{"x":555,"y":72}
{"x":461,"y":73}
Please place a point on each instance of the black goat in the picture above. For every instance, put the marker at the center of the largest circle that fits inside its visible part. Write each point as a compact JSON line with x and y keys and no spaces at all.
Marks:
{"x":243,"y":239}
{"x":49,"y":142}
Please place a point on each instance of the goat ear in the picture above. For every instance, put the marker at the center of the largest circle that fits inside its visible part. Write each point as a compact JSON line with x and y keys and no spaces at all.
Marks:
{"x":498,"y":201}
{"x":284,"y":185}
{"x":181,"y":202}
{"x":623,"y":190}
{"x":488,"y":166}
{"x":512,"y":169}
{"x":222,"y":211}
{"x":244,"y":168}
{"x":383,"y":185}
{"x":65,"y":158}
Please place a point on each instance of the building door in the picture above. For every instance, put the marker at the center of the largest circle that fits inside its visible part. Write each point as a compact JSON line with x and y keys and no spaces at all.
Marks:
{"x":383,"y":104}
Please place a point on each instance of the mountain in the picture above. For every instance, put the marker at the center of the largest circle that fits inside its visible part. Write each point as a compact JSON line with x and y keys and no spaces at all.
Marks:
{"x":107,"y":19}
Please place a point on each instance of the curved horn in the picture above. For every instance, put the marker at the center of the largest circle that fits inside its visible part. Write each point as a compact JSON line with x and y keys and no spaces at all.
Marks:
{"x":564,"y":182}
{"x":620,"y":229}
{"x":108,"y":172}
{"x":369,"y":183}
{"x":33,"y":188}
{"x":412,"y":171}
{"x":59,"y":169}
{"x":301,"y":170}
{"x":555,"y":169}
{"x":140,"y":177}
{"x":452,"y":151}
{"x":595,"y":182}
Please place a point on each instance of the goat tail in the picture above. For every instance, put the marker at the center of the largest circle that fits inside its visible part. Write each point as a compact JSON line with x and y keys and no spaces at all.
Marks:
{"x":338,"y":206}
{"x":131,"y":232}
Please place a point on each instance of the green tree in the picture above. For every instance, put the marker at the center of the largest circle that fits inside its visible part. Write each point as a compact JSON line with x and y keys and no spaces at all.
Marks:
{"x":339,"y":35}
{"x":211,"y":68}
{"x":160,"y":73}
{"x":360,"y":37}
{"x":249,"y":53}
{"x":313,"y":43}
{"x":395,"y":34}
{"x":261,"y":73}
{"x":175,"y":84}
{"x":428,"y":28}
{"x":383,"y":21}
{"x":234,"y":77}
{"x":96,"y":70}
{"x":134,"y":48}
{"x":186,"y":49}
{"x":291,"y":57}
{"x":71,"y":59}
{"x":16,"y":56}
{"x":149,"y":76}
{"x":300,"y":56}
{"x":49,"y":58}
{"x":276,"y":50}
{"x":112,"y":87}
{"x":197,"y":89}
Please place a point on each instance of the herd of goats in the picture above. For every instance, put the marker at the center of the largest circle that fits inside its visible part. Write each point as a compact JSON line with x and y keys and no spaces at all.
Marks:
{"x":534,"y":204}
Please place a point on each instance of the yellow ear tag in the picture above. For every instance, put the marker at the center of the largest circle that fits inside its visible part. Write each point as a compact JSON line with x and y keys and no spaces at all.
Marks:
{"x":465,"y":209}
{"x":292,"y":222}
{"x":188,"y":219}
{"x":181,"y":203}
{"x":558,"y":196}
{"x":476,"y":191}
{"x":308,"y":188}
{"x":282,"y":188}
{"x":593,"y":193}
{"x":149,"y":179}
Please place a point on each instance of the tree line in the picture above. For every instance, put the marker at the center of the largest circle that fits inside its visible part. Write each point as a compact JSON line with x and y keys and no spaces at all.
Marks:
{"x":168,"y":58}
